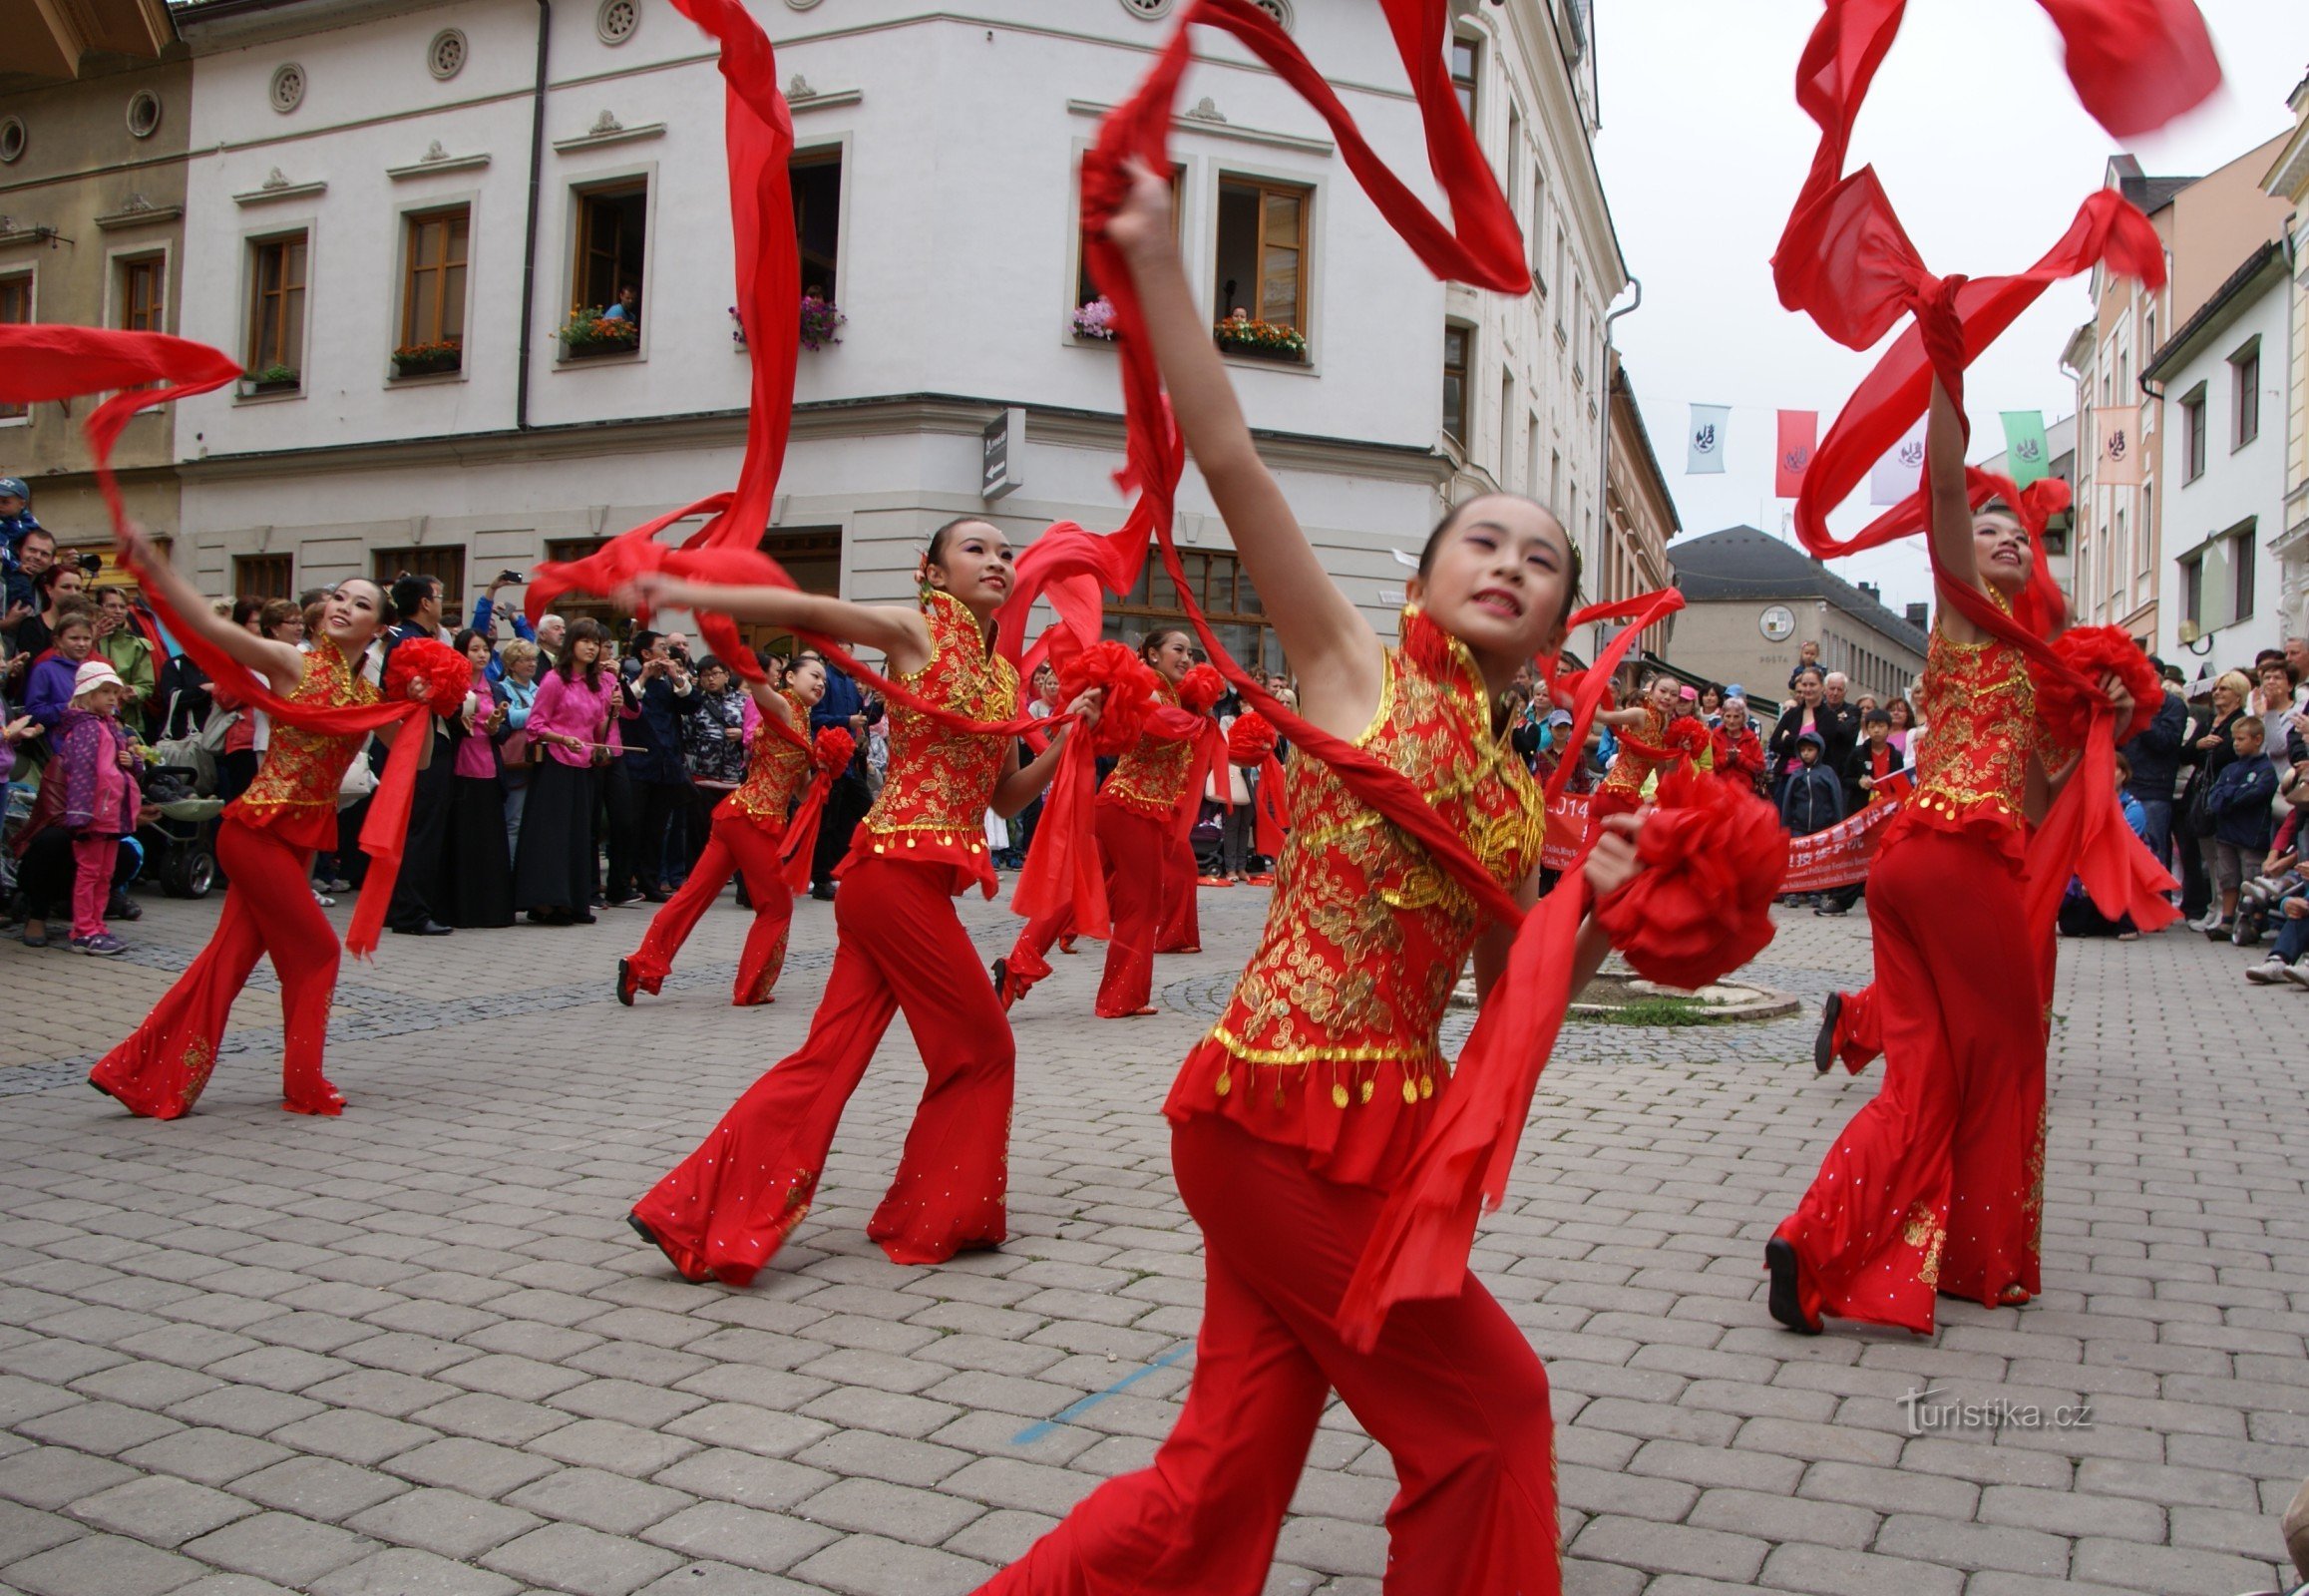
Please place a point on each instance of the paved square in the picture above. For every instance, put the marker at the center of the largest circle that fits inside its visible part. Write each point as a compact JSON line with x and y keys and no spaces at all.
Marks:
{"x":417,"y":1353}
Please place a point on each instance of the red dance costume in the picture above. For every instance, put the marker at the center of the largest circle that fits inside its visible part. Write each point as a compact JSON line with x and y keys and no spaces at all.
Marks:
{"x":1621,"y":790}
{"x":1137,"y":820}
{"x":1290,"y":1122}
{"x":749,"y":829}
{"x":1938,"y":1184}
{"x":265,"y":844}
{"x":726,"y":1209}
{"x":1181,"y":930}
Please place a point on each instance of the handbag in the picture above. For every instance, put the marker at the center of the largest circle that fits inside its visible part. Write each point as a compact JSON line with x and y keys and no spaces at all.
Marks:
{"x":359,"y":779}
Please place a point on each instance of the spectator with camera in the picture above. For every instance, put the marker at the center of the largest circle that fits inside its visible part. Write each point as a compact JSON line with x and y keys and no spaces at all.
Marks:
{"x":485,"y":620}
{"x":658,"y":684}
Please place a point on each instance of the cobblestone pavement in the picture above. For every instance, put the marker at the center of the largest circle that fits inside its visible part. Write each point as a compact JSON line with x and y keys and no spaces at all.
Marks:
{"x":415,"y":1351}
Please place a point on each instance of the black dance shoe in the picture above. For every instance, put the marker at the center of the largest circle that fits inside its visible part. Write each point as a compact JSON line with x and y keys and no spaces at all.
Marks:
{"x":1785,"y":1302}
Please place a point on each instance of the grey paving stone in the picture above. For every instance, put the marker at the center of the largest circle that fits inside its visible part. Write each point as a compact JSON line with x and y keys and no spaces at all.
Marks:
{"x":600,"y":1501}
{"x":873,"y":1506}
{"x":280,"y":1546}
{"x":870,"y":1565}
{"x":448,"y":1523}
{"x":570,"y":1557}
{"x":473,"y":1466}
{"x":746,"y":1536}
{"x":206,"y":1457}
{"x":403,"y":1571}
{"x":110,"y":1564}
{"x":25,"y":1532}
{"x":51,"y":1477}
{"x":161,"y":1511}
{"x":318,"y":1487}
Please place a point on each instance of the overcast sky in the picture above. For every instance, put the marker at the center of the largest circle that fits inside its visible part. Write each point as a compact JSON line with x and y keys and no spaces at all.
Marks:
{"x":1983,"y":148}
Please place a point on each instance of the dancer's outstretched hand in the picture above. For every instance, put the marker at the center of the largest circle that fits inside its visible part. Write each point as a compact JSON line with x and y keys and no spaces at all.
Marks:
{"x":2119,"y":696}
{"x":1612,"y":862}
{"x":1089,"y":703}
{"x":1142,"y":222}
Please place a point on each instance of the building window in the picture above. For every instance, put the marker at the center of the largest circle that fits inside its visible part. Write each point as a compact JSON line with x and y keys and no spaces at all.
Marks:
{"x":816,"y":177}
{"x":1509,"y":173}
{"x":141,"y":288}
{"x":276,"y":311}
{"x":1085,"y":289}
{"x":2147,"y":540}
{"x":2117,"y":555}
{"x":1261,"y":263}
{"x":445,"y":563}
{"x":1224,"y":590}
{"x":1456,"y":344}
{"x":575,"y":606}
{"x":1466,"y":62}
{"x":264,"y":575}
{"x":433,"y":292}
{"x":1506,"y":428}
{"x":15,"y":310}
{"x":2241,"y":573}
{"x":2192,"y":592}
{"x":2245,"y":370}
{"x":2192,"y":416}
{"x":612,"y":231}
{"x":1538,"y":229}
{"x":812,"y":555}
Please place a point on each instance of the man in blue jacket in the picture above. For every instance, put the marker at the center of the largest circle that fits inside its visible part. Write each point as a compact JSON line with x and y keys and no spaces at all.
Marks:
{"x":2155,"y":756}
{"x":847,"y":798}
{"x":663,"y":691}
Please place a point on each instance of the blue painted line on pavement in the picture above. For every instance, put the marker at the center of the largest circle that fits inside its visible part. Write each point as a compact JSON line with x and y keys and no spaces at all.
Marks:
{"x":1076,"y":1409}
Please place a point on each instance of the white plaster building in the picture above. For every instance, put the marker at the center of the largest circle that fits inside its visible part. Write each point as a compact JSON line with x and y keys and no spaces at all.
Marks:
{"x":362,"y":180}
{"x":2222,"y":458}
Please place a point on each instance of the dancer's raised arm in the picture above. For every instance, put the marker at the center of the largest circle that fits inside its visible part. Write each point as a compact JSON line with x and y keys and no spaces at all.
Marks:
{"x":893,"y":631}
{"x":1331,"y":648}
{"x":1957,"y":535}
{"x":278,"y":664}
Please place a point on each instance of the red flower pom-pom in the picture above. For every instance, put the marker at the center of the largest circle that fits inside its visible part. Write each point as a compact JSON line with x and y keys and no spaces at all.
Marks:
{"x":1128,"y":682}
{"x":447,"y":674}
{"x":2094,"y":653}
{"x":1689,"y":736}
{"x":1200,"y":689}
{"x":835,"y":748}
{"x":1713,"y":856}
{"x":1250,"y":739}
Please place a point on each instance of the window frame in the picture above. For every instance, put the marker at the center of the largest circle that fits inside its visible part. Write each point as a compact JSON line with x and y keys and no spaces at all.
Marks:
{"x":2242,"y":577}
{"x":29,"y":276}
{"x":410,"y":220}
{"x":121,"y":267}
{"x":834,"y":152}
{"x":2196,"y":437}
{"x":246,"y":565}
{"x":2245,"y":395}
{"x":385,"y":564}
{"x":1263,"y":185}
{"x":1466,"y":372}
{"x":1134,"y":612}
{"x":1467,"y":88}
{"x":253,"y":247}
{"x":801,"y":550}
{"x":580,"y":190}
{"x":1081,"y":274}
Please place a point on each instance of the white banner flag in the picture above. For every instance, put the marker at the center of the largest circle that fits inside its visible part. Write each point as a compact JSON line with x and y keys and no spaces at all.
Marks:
{"x":1706,"y":453}
{"x":1896,"y":474}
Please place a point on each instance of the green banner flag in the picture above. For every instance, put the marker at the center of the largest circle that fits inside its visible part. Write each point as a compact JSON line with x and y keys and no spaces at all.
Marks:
{"x":2025,"y":446}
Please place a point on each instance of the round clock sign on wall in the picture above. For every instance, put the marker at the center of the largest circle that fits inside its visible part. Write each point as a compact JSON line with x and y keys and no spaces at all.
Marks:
{"x":1779,"y":622}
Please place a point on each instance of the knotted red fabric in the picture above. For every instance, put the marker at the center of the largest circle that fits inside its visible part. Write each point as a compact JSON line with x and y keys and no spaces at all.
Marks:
{"x":831,"y":755}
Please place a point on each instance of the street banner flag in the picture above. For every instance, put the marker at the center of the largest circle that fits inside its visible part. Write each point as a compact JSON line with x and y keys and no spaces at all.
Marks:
{"x":1901,"y":470}
{"x":2117,"y":464}
{"x":1707,"y":441}
{"x":1836,"y":857}
{"x":1799,"y":434}
{"x":2025,"y":448}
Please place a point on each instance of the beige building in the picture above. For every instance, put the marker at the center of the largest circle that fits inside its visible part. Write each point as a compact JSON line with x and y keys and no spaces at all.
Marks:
{"x":94,"y":120}
{"x":2288,"y":179}
{"x":1753,"y":601}
{"x":2208,"y":224}
{"x":1639,"y":514}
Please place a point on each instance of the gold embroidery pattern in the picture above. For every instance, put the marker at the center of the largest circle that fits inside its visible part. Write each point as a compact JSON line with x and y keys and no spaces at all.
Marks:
{"x":1152,"y":777}
{"x":940,"y":780}
{"x":199,"y":1064}
{"x":2033,"y":1207}
{"x":302,"y":768}
{"x":1979,"y":708}
{"x":776,"y":964}
{"x":1923,"y":1228}
{"x":1367,"y":936}
{"x":776,"y":772}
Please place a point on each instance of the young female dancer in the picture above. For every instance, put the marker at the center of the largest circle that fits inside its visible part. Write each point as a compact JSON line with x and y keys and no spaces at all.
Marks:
{"x":1644,"y":725}
{"x":1295,"y":1116}
{"x":899,"y":945}
{"x":1937,"y":1186}
{"x":265,"y":844}
{"x":749,"y":835}
{"x":1137,"y":820}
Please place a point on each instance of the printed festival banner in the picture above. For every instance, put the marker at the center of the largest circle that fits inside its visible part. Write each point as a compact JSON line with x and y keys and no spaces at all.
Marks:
{"x":1900,"y":472}
{"x":2024,"y":447}
{"x":1836,"y":857}
{"x":1706,"y":450}
{"x":1799,"y":435}
{"x":2116,"y":464}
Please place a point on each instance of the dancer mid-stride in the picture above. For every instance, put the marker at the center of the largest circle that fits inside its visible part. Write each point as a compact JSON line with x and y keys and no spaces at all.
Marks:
{"x":749,"y":836}
{"x":1295,"y":1117}
{"x":265,"y":844}
{"x":1138,"y":827}
{"x":899,"y":945}
{"x":1937,"y":1186}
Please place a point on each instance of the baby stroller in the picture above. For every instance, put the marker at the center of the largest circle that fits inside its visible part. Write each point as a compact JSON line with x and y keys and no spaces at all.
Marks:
{"x":178,"y":834}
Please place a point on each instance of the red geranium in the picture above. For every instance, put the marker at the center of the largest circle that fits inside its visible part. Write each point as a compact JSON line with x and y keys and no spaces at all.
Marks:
{"x":2094,"y":653}
{"x":446,"y":673}
{"x":835,"y":748}
{"x":1714,"y":855}
{"x":1200,"y":689}
{"x":1250,"y":739}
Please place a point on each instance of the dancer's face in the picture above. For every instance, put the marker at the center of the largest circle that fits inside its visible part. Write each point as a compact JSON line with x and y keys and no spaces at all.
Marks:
{"x":976,"y":565}
{"x":805,"y":682}
{"x":2002,"y":551}
{"x":1662,"y":695}
{"x":1173,"y":658}
{"x":1500,"y":579}
{"x":351,"y":615}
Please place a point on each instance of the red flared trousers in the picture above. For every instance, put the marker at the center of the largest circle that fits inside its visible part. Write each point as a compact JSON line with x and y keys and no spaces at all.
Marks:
{"x":1859,"y":1035}
{"x":1131,"y":853}
{"x":737,"y":843}
{"x":729,"y":1206}
{"x":162,"y":1070}
{"x":1452,"y":1391}
{"x":1181,"y":929}
{"x":1938,"y":1184}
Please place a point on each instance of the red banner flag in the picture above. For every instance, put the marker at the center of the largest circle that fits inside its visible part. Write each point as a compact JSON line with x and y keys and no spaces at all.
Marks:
{"x":1799,"y":434}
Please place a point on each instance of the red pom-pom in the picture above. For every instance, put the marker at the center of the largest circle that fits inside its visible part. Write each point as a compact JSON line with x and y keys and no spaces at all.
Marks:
{"x":1713,"y":856}
{"x":1200,"y":689}
{"x":1689,"y":736}
{"x":1128,"y":683}
{"x":1250,"y":739}
{"x":2094,"y":653}
{"x":447,"y":674}
{"x":835,"y":748}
